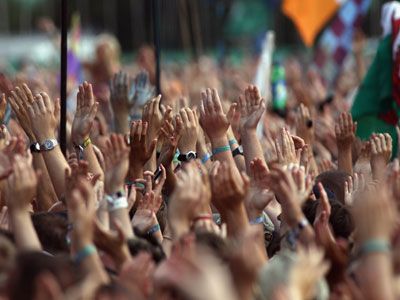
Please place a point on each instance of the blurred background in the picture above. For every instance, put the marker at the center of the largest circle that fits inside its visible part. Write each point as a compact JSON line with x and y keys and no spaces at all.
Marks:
{"x":188,"y":28}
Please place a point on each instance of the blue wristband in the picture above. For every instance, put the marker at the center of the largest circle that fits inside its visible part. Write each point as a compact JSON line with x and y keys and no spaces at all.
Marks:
{"x":205,"y":158}
{"x":374,"y":246}
{"x":153,"y":229}
{"x":84,"y":252}
{"x":221,"y":149}
{"x":233,"y":142}
{"x":258,"y":220}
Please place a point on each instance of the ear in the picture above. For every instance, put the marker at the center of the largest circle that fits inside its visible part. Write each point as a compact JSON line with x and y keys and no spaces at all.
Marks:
{"x":47,"y":287}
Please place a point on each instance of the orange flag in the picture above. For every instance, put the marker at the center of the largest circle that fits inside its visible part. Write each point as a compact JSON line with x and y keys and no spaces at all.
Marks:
{"x":310,"y":16}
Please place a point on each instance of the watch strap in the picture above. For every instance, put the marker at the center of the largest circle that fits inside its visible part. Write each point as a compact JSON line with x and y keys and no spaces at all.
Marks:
{"x":35,"y":147}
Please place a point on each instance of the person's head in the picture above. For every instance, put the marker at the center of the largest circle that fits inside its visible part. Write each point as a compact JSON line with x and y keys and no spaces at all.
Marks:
{"x":52,"y":231}
{"x":340,"y":220}
{"x":333,"y":182}
{"x":138,"y":245}
{"x":40,"y":276}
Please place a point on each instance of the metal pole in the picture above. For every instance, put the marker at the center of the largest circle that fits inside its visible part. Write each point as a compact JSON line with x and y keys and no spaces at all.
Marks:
{"x":156,"y":36}
{"x":63,"y":83}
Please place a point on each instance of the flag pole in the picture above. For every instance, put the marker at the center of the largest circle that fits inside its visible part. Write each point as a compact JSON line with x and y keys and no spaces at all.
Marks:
{"x":63,"y":82}
{"x":156,"y":37}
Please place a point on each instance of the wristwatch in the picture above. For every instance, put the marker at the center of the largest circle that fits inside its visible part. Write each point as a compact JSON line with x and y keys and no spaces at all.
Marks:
{"x":35,"y":147}
{"x":48,"y":145}
{"x":185,"y":157}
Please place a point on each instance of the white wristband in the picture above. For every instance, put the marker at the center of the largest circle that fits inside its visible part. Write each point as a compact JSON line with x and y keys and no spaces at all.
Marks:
{"x":116,"y":203}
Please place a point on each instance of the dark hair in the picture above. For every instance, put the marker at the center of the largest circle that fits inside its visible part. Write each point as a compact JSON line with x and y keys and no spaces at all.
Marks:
{"x":333,"y":182}
{"x":138,"y":245}
{"x":217,"y":244}
{"x":21,"y":284}
{"x":340,"y":219}
{"x":52,"y":230}
{"x":115,"y":290}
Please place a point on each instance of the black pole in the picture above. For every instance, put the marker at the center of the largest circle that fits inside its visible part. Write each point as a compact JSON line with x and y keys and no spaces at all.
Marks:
{"x":63,"y":83}
{"x":156,"y":36}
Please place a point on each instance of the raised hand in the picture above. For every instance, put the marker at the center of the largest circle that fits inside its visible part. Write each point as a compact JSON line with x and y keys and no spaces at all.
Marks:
{"x":304,"y":124}
{"x":228,"y":189}
{"x":86,"y":110}
{"x":252,"y":107}
{"x":171,"y":135}
{"x":153,"y":117}
{"x":214,"y":121}
{"x":285,"y":149}
{"x":141,"y":148}
{"x":375,"y":214}
{"x":191,"y":197}
{"x":345,"y":131}
{"x":381,"y":150}
{"x":145,"y":216}
{"x":188,"y":135}
{"x":116,"y":160}
{"x":44,"y":115}
{"x":260,"y":195}
{"x":21,"y":184}
{"x":113,"y":243}
{"x":308,"y":269}
{"x":141,"y":90}
{"x":119,"y":92}
{"x":286,"y":192}
{"x":19,"y":100}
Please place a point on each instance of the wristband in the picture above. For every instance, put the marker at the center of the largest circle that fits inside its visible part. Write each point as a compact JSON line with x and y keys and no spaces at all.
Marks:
{"x":221,"y":149}
{"x":237,"y":151}
{"x":84,"y":252}
{"x":116,"y":201}
{"x":258,"y":220}
{"x":233,"y":142}
{"x":374,"y":246}
{"x":84,"y":145}
{"x":153,"y":229}
{"x":35,"y":147}
{"x":205,"y":158}
{"x":202,"y":217}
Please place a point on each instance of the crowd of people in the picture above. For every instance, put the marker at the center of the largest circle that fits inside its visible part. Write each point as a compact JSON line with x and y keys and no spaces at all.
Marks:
{"x":182,"y":196}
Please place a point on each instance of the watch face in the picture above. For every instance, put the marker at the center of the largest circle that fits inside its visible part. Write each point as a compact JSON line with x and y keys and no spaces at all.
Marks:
{"x":48,"y":144}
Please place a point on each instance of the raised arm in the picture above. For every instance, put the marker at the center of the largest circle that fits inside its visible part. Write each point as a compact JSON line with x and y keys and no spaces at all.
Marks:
{"x":345,"y":135}
{"x":86,"y":110}
{"x":19,"y":101}
{"x":252,"y":107}
{"x":20,"y":191}
{"x":43,"y":114}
